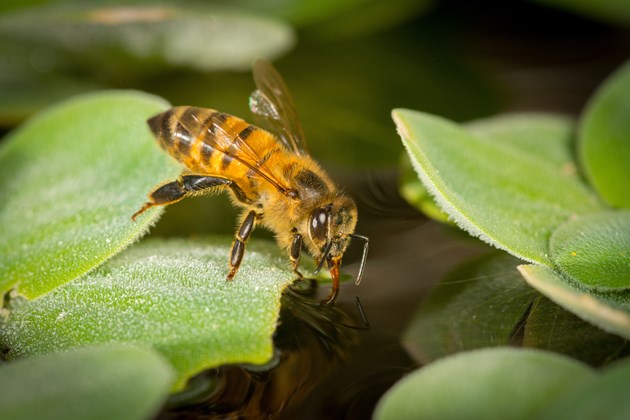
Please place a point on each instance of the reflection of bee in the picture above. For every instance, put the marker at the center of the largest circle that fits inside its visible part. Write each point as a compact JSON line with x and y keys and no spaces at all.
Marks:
{"x":271,"y":176}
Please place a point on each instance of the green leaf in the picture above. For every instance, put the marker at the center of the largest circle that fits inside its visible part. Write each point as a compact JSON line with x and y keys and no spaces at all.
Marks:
{"x":594,"y":249}
{"x":493,"y":190}
{"x":609,"y":311}
{"x":483,"y":384}
{"x":532,"y":134}
{"x":120,"y":41}
{"x":70,"y":179}
{"x":604,"y":141}
{"x":604,"y":397}
{"x":550,"y":327}
{"x":479,"y":304}
{"x":113,"y":382}
{"x":169,"y":295}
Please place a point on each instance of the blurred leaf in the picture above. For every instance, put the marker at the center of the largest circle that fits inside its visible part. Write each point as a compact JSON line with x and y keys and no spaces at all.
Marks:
{"x":604,"y":397}
{"x":479,"y":304}
{"x":604,"y":143}
{"x":169,"y":295}
{"x":484,"y":384}
{"x":323,"y":19}
{"x":70,"y":179}
{"x":609,"y":311}
{"x":550,"y":327}
{"x":607,"y":10}
{"x":594,"y":249}
{"x":492,"y":189}
{"x":113,"y":382}
{"x":120,"y":41}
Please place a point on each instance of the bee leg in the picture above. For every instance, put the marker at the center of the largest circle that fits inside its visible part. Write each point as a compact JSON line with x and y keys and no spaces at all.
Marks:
{"x":238,"y":246}
{"x":295,"y":252}
{"x":173,"y":192}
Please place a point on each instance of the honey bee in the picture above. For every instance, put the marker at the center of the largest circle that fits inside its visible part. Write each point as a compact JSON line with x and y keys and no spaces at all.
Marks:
{"x":266,"y":171}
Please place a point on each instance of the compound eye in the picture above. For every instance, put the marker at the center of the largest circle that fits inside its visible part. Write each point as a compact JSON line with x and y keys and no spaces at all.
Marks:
{"x":319,"y":225}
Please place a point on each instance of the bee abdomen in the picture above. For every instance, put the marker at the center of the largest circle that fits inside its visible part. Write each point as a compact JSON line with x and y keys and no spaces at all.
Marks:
{"x":206,"y":140}
{"x":174,"y":130}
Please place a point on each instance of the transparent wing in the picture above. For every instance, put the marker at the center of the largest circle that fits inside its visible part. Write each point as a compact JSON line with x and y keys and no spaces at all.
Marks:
{"x":232,"y":146}
{"x":273,"y":109}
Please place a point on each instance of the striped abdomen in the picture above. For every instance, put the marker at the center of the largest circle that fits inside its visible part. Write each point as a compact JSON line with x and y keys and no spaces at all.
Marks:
{"x":211,"y":142}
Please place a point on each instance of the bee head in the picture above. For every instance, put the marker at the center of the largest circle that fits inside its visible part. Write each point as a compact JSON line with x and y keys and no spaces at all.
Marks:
{"x":329,"y":227}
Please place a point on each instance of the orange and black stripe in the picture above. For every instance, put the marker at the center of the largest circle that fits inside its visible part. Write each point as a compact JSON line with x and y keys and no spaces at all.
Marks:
{"x":206,"y":140}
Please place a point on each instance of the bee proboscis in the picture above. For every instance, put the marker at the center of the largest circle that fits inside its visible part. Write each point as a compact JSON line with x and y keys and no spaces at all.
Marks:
{"x":267,"y":172}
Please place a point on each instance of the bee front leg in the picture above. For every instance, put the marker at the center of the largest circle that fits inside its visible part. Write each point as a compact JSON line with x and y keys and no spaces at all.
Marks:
{"x":175,"y":191}
{"x":238,"y":246}
{"x":295,"y":252}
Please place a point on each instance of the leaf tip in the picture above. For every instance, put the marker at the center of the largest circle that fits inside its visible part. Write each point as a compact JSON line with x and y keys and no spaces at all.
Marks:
{"x":401,"y":128}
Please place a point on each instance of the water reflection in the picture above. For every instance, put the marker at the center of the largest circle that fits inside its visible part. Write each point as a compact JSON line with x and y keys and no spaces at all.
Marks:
{"x":311,"y":340}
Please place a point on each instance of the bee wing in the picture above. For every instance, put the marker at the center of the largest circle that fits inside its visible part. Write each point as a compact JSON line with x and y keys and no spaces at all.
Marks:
{"x":233,"y":147}
{"x":273,"y":109}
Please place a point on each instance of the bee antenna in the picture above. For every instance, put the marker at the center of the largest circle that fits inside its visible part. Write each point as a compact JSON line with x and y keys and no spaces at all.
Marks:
{"x":324,"y":256}
{"x":366,"y":246}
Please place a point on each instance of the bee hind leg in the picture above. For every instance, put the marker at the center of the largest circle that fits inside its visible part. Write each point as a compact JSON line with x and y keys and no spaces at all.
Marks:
{"x":238,"y":246}
{"x":175,"y":191}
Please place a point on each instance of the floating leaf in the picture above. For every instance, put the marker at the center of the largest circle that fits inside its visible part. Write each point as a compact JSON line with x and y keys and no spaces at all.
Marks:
{"x":594,"y":249}
{"x":603,"y":397}
{"x":604,"y":143}
{"x":70,"y":179}
{"x":170,"y":295}
{"x":112,"y":382}
{"x":493,"y":190}
{"x":483,"y":384}
{"x":610,"y":312}
{"x":550,"y":327}
{"x":479,"y":304}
